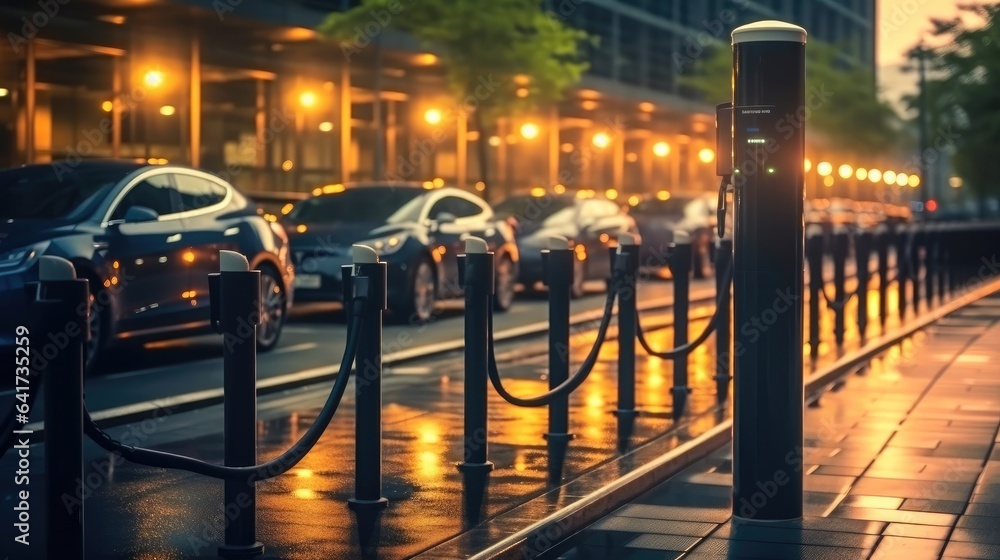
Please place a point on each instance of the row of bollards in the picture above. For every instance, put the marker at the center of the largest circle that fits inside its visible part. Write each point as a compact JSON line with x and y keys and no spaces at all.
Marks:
{"x":936,"y":258}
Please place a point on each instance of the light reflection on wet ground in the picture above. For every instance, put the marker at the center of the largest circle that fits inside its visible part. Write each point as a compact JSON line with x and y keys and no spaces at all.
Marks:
{"x":140,"y":513}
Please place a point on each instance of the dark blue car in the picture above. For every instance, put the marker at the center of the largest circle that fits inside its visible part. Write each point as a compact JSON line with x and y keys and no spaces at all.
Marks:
{"x":145,"y":236}
{"x":418,"y":232}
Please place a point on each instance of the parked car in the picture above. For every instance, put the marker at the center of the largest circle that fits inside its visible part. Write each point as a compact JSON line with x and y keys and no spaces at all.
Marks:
{"x":659,"y":217}
{"x":146,"y":237}
{"x":592,"y":225}
{"x":272,"y":205}
{"x":419,"y":232}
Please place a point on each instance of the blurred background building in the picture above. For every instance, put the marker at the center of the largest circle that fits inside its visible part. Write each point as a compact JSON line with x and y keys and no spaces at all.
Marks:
{"x":247,"y":89}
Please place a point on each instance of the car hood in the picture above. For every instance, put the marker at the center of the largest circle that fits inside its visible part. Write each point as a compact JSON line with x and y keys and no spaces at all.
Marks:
{"x":15,"y":234}
{"x":339,"y":234}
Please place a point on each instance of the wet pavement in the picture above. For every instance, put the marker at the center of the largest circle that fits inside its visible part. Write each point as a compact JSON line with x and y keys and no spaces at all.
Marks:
{"x":900,"y":462}
{"x":139,"y":512}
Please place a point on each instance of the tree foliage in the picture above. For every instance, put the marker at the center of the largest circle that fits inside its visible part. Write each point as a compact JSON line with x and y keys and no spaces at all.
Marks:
{"x":495,"y":42}
{"x":842,"y":104}
{"x":963,"y":97}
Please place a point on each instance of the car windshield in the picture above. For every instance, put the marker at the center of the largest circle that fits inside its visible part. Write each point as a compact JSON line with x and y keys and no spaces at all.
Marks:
{"x":361,"y":205}
{"x":668,"y":207}
{"x":43,"y":192}
{"x":532,"y":208}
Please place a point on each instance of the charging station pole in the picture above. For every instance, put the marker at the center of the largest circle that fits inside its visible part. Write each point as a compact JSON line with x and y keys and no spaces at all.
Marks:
{"x":769,"y":182}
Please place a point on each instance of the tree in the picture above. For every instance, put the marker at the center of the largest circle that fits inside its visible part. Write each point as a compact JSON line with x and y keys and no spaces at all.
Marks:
{"x":489,"y":49}
{"x":841,"y":101}
{"x":964,"y":94}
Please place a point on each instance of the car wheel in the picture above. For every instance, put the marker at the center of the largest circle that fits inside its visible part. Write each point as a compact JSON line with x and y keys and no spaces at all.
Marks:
{"x":272,"y":310}
{"x":94,"y":347}
{"x":577,"y":290}
{"x":419,"y":306}
{"x":506,"y":279}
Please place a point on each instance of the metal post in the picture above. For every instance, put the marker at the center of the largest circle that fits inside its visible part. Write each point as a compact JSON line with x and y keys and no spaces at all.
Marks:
{"x":862,"y":256}
{"x":368,"y":499}
{"x":769,"y":83}
{"x":930,"y":263}
{"x":814,"y":257}
{"x":840,"y":249}
{"x":477,"y":269}
{"x":942,"y":269}
{"x":902,"y":270}
{"x":57,"y":322}
{"x":559,"y":278}
{"x":239,"y":315}
{"x":916,"y":239}
{"x":626,"y":294}
{"x":680,"y":271}
{"x":883,"y":237}
{"x":723,"y":332}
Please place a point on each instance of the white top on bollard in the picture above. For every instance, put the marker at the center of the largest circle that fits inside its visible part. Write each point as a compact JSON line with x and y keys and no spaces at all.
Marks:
{"x":231,"y":261}
{"x":363,"y":254}
{"x":557,"y":242}
{"x":681,"y":236}
{"x":628,"y":239}
{"x":813,"y":230}
{"x":55,"y":268}
{"x":767,"y":31}
{"x":476,"y":245}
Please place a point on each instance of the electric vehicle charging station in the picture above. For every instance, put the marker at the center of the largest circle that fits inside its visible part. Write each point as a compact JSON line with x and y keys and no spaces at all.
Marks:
{"x":768,"y":149}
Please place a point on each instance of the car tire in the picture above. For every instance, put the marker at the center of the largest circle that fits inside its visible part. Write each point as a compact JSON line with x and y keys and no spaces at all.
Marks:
{"x":506,"y":281}
{"x":417,"y":306}
{"x":98,"y":322}
{"x":578,"y":289}
{"x":273,"y":308}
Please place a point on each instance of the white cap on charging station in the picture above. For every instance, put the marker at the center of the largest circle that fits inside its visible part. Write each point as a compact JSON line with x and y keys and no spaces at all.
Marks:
{"x":769,"y":30}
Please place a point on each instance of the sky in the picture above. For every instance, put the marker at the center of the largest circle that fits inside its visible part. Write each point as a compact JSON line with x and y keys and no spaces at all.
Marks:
{"x":899,"y":25}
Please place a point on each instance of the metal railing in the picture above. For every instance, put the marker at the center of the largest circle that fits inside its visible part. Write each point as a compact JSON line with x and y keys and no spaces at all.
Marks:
{"x":931,"y":263}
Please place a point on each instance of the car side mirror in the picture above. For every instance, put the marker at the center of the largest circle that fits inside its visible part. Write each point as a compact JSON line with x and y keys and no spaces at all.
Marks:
{"x":137,"y":214}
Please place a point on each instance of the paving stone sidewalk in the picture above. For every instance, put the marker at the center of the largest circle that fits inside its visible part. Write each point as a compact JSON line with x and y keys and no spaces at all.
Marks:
{"x":902,"y":462}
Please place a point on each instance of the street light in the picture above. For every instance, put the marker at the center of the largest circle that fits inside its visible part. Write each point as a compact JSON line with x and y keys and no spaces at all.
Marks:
{"x":807,"y":164}
{"x":432,"y":116}
{"x":706,"y":155}
{"x":168,"y":110}
{"x":913,"y":181}
{"x":901,"y":179}
{"x":861,"y":174}
{"x":661,"y":149}
{"x":824,"y":168}
{"x":845,"y":171}
{"x":602,"y":140}
{"x":153,"y":79}
{"x":307,"y":99}
{"x":889,"y":177}
{"x":955,"y":182}
{"x":874,"y":175}
{"x":529,"y":131}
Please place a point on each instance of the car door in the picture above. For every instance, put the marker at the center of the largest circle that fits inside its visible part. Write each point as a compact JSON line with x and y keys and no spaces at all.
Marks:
{"x":465,"y":217}
{"x":600,"y":227}
{"x":148,"y":256}
{"x":206,"y":232}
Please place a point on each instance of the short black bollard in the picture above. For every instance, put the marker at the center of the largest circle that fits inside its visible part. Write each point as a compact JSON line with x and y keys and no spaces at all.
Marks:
{"x":862,"y":258}
{"x":902,"y":270}
{"x":476,"y":268}
{"x":680,"y":270}
{"x":559,"y":279}
{"x":931,"y":262}
{"x":841,"y":245}
{"x":368,"y":500}
{"x":883,"y":236}
{"x":55,"y":304}
{"x":626,"y":294}
{"x":723,"y":332}
{"x":814,"y":259}
{"x":239,"y":314}
{"x":916,"y":265}
{"x":942,"y":259}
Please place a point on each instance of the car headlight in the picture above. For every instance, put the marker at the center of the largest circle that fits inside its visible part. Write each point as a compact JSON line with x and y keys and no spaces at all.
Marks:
{"x":386,"y":245}
{"x":18,"y":257}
